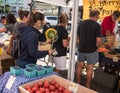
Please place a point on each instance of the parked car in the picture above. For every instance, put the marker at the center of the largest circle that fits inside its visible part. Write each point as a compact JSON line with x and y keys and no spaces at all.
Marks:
{"x":51,"y":20}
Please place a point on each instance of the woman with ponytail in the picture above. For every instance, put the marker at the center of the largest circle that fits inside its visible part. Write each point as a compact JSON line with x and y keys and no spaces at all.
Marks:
{"x":30,"y":36}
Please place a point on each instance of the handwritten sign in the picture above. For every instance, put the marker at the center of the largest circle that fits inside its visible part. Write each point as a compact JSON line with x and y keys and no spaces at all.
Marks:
{"x":106,"y":7}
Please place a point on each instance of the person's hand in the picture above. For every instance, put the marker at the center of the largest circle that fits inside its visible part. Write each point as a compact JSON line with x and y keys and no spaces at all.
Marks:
{"x":50,"y":51}
{"x":48,"y":41}
{"x":53,"y":52}
{"x":108,"y":33}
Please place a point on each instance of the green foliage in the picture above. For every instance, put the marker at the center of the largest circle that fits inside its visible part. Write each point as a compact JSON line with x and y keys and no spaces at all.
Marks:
{"x":7,"y":9}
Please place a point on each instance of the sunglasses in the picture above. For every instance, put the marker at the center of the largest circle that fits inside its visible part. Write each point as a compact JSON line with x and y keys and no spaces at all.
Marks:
{"x":115,"y":18}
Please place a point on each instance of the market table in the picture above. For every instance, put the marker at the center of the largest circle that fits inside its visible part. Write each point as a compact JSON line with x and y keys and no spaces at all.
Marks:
{"x":111,"y":63}
{"x":111,"y":70}
{"x":109,"y":59}
{"x":17,"y":82}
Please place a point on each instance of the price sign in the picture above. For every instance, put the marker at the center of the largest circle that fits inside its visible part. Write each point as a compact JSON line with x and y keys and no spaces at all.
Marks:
{"x":115,"y":58}
{"x":10,"y":82}
{"x":73,"y":87}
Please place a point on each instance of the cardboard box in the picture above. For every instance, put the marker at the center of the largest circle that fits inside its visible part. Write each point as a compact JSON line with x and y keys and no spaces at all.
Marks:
{"x":63,"y":82}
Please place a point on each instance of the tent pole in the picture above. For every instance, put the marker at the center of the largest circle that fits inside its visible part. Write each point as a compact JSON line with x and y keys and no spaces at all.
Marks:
{"x":74,"y":25}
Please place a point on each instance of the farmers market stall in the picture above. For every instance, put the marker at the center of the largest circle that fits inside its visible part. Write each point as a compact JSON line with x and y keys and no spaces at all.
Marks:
{"x":10,"y":83}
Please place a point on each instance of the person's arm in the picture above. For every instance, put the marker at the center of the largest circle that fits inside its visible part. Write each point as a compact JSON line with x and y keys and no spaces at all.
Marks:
{"x":65,"y":38}
{"x":98,"y":38}
{"x":99,"y":42}
{"x":108,"y":33}
{"x":32,"y":46}
{"x":3,"y":29}
{"x":10,"y":45}
{"x":65,"y":42}
{"x":77,"y":41}
{"x":78,"y":34}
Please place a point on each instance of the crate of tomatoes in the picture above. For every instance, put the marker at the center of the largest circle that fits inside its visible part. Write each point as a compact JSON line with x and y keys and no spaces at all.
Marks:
{"x":53,"y":84}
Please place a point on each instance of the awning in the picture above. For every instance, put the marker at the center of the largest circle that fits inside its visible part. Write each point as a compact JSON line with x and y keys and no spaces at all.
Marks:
{"x":61,"y":3}
{"x":54,"y":2}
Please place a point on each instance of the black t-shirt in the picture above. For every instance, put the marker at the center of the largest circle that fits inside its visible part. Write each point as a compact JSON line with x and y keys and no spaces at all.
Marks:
{"x":88,"y":31}
{"x":58,"y":44}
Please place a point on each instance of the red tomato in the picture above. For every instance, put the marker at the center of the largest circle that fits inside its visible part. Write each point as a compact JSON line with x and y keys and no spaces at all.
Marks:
{"x":30,"y":90}
{"x":42,"y":89}
{"x":56,"y":91}
{"x":34,"y":88}
{"x":40,"y":84}
{"x":47,"y":89}
{"x":61,"y":89}
{"x":53,"y":82}
{"x":46,"y":85}
{"x":47,"y":92}
{"x":52,"y":88}
{"x":36,"y":85}
{"x":38,"y":91}
{"x":53,"y":92}
{"x":67,"y":91}
{"x":57,"y":85}
{"x":46,"y":81}
{"x":27,"y":87}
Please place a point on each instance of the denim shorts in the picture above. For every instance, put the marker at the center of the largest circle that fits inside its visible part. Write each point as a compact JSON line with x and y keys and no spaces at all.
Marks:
{"x":91,"y":58}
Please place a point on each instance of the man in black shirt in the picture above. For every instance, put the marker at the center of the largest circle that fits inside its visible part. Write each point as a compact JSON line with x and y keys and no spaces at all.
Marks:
{"x":89,"y":36}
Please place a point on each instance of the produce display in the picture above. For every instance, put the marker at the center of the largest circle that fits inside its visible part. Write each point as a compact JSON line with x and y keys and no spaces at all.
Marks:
{"x":53,"y":84}
{"x":46,"y":87}
{"x":102,"y":49}
{"x":31,"y":70}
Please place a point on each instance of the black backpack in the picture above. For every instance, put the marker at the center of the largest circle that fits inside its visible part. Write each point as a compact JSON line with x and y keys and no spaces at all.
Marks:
{"x":16,"y":46}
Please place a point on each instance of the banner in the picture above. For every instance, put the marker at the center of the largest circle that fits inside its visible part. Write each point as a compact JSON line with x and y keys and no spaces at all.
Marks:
{"x":106,"y":7}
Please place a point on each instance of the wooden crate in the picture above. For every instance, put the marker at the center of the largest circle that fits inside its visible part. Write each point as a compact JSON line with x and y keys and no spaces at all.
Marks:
{"x":6,"y":60}
{"x":4,"y":69}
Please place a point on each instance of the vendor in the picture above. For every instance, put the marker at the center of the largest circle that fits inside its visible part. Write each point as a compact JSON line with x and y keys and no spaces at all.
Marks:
{"x":109,"y":23}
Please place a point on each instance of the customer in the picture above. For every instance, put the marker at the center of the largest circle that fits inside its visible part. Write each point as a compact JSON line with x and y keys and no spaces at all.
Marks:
{"x":109,"y":22}
{"x":2,"y":21}
{"x":10,"y":21}
{"x":29,"y":40}
{"x":23,"y":17}
{"x":89,"y":36}
{"x":61,"y":44}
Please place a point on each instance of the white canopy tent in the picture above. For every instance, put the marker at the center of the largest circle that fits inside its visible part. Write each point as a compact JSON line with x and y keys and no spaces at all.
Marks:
{"x":61,"y":3}
{"x":74,"y":4}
